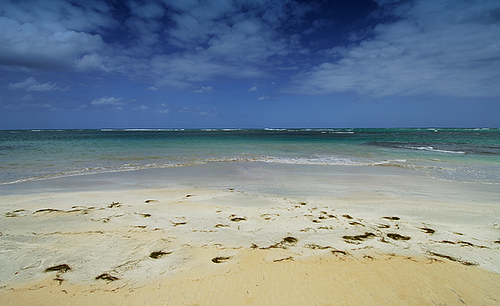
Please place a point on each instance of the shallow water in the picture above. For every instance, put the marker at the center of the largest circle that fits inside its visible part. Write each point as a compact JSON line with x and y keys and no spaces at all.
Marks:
{"x":468,"y":155}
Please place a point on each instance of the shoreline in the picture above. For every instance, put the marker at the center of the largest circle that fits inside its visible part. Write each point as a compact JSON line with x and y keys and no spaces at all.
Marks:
{"x":305,"y":217}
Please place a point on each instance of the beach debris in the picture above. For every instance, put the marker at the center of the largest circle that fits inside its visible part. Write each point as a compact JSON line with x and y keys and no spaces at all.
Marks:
{"x":231,"y":189}
{"x":347,"y":217}
{"x":150,"y":201}
{"x":303,"y":203}
{"x":188,"y":195}
{"x":428,"y":230}
{"x":114,"y":204}
{"x":59,"y":268}
{"x":283,"y":259}
{"x":107,"y":277}
{"x":254,"y":246}
{"x":497,"y":241}
{"x":398,"y":237}
{"x":145,"y":215}
{"x":463,"y":262}
{"x":366,"y":235}
{"x":221,"y":225}
{"x":158,"y":254}
{"x":391,"y":218}
{"x":383,"y":226}
{"x":221,"y":259}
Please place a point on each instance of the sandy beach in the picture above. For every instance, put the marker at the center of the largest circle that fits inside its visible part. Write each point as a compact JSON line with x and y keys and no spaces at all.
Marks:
{"x":255,"y":233}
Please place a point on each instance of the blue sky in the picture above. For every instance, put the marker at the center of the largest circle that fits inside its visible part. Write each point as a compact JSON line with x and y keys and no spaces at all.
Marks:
{"x":249,"y":64}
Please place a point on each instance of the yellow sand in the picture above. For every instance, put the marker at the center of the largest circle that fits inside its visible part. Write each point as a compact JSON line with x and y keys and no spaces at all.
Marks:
{"x":367,"y":238}
{"x":271,"y":277}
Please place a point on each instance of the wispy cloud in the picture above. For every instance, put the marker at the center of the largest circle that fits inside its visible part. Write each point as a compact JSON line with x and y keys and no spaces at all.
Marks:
{"x":204,"y":89}
{"x":443,"y":48}
{"x":31,"y":84}
{"x":107,"y":101}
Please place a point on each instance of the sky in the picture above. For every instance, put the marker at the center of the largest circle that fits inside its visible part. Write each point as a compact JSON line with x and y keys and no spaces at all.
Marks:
{"x":249,"y":63}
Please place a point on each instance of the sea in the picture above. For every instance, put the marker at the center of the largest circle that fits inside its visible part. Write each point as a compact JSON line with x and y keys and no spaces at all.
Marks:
{"x":466,"y":155}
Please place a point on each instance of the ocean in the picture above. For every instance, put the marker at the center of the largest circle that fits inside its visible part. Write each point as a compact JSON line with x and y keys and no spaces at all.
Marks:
{"x":466,"y":155}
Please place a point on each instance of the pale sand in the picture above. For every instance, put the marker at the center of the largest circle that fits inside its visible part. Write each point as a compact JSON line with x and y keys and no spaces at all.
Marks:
{"x":328,"y":237}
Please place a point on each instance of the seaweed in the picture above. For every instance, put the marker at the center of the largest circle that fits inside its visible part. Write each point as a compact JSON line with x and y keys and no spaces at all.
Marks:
{"x":174,"y":224}
{"x":283,"y":243}
{"x":221,"y":225}
{"x":463,"y":262}
{"x":315,"y":246}
{"x":355,"y":223}
{"x":150,"y":201}
{"x":335,"y":252}
{"x":59,"y":268}
{"x":107,"y":277}
{"x":158,"y":254}
{"x":14,"y":213}
{"x":237,"y":219}
{"x":428,"y":230}
{"x":283,"y":259}
{"x":391,"y":218}
{"x":359,"y":237}
{"x":347,"y":217}
{"x":48,"y":210}
{"x":221,"y":259}
{"x":114,"y":204}
{"x":398,"y":237}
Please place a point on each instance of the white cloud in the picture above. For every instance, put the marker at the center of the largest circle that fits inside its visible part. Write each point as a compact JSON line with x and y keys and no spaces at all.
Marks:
{"x":254,"y":88}
{"x":107,"y":101}
{"x":31,"y":84}
{"x":446,"y":48}
{"x":27,"y":45}
{"x":204,"y":89}
{"x":263,"y":97}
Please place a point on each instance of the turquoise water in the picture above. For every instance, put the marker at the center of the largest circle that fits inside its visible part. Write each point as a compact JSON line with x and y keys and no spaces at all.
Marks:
{"x":469,"y":155}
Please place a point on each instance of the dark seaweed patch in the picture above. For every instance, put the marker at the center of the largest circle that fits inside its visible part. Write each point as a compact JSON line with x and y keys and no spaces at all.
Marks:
{"x":220,"y":259}
{"x":114,"y":204}
{"x":359,"y":237}
{"x":398,"y":237}
{"x":391,"y":218}
{"x":463,"y":262}
{"x":335,"y":252}
{"x":237,"y":219}
{"x":283,"y":259}
{"x":59,"y":268}
{"x":347,"y":216}
{"x":158,"y":254}
{"x":107,"y":277}
{"x":428,"y":230}
{"x":46,"y":210}
{"x":283,"y":243}
{"x":315,"y":246}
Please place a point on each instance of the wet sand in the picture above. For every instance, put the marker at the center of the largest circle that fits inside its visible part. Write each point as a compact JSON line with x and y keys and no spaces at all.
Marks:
{"x":250,"y":234}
